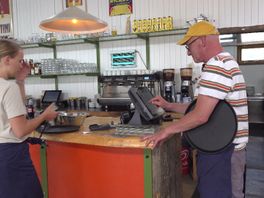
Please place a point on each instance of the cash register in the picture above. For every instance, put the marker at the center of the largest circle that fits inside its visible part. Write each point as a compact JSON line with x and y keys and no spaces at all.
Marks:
{"x":145,"y":112}
{"x":53,"y":96}
{"x":146,"y":117}
{"x":50,"y":96}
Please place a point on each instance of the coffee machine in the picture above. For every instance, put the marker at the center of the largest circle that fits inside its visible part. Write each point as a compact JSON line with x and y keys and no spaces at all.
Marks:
{"x":169,"y":85}
{"x":114,"y":89}
{"x":186,"y":84}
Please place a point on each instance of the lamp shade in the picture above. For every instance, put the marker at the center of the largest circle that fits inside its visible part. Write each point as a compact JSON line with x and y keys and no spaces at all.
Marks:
{"x":73,"y":20}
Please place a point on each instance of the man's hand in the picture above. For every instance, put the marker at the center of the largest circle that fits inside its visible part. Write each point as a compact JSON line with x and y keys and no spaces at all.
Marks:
{"x":160,"y":102}
{"x":157,"y":139}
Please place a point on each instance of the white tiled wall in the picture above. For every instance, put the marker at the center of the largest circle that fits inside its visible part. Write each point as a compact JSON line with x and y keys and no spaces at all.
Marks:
{"x":164,"y":53}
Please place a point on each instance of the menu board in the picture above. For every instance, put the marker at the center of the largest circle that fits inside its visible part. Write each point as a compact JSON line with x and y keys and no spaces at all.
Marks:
{"x":5,"y":19}
{"x":120,"y":7}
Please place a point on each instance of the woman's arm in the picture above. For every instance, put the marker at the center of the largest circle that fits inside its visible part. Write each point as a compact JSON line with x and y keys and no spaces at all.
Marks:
{"x":21,"y":126}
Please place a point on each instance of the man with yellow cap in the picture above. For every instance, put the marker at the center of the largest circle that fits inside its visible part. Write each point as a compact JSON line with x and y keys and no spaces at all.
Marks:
{"x":219,"y":174}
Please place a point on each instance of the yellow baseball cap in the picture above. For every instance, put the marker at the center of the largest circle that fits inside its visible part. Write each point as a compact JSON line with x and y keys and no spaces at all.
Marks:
{"x":201,"y":28}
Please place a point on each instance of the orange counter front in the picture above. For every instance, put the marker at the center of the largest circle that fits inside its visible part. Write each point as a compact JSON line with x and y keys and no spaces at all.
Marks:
{"x":100,"y":165}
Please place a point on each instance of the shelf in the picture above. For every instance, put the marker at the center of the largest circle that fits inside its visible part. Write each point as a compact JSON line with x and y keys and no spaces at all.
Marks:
{"x":178,"y":31}
{"x":59,"y":43}
{"x":73,"y":41}
{"x":29,"y":45}
{"x":117,"y":37}
{"x":95,"y":40}
{"x":56,"y":75}
{"x":33,"y":76}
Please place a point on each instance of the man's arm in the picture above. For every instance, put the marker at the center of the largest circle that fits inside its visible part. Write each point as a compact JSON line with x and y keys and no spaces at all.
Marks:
{"x":198,"y":116}
{"x":177,"y":107}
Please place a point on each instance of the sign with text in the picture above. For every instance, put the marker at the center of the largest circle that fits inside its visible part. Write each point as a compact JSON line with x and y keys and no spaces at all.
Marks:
{"x":77,"y":3}
{"x":120,"y":7}
{"x":70,"y":3}
{"x":152,"y":25}
{"x":5,"y":19}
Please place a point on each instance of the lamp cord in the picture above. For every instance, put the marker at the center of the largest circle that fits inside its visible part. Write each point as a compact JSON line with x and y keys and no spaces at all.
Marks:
{"x":141,"y":59}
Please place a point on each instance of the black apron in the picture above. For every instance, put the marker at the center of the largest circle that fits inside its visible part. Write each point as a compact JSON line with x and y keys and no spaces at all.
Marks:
{"x":18,"y":178}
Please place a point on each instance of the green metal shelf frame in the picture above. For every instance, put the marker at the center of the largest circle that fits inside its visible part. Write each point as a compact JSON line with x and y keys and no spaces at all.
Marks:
{"x":148,"y":173}
{"x":53,"y":45}
{"x":70,"y":74}
{"x":97,"y":40}
{"x":44,"y":173}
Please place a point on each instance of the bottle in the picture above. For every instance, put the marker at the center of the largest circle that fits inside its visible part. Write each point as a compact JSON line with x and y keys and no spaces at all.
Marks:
{"x":40,"y":70}
{"x":128,"y":26}
{"x":114,"y":31}
{"x":135,"y":26}
{"x":31,"y":65}
{"x":30,"y":109}
{"x":36,"y":68}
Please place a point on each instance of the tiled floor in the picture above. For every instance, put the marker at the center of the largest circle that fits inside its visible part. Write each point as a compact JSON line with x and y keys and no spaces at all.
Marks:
{"x":188,"y":186}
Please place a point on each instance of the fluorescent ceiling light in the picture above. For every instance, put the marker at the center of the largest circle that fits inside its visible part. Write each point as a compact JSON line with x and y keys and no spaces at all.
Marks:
{"x":75,"y":21}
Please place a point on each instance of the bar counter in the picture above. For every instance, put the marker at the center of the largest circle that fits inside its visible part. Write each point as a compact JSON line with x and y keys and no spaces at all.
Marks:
{"x":101,"y":165}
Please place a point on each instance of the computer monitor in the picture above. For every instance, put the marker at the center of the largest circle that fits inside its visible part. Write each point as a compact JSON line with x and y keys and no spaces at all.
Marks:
{"x":140,"y":96}
{"x":51,"y":96}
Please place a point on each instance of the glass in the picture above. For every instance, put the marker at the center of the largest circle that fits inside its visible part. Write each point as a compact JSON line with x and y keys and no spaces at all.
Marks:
{"x":187,"y":46}
{"x":66,"y":66}
{"x":114,"y":31}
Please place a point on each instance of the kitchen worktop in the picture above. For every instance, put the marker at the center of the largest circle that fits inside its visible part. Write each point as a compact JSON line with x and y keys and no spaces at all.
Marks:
{"x":97,"y":138}
{"x":113,"y":161}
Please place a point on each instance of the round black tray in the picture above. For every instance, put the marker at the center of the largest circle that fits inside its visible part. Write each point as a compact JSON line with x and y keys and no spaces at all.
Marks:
{"x":59,"y":129}
{"x":219,"y":132}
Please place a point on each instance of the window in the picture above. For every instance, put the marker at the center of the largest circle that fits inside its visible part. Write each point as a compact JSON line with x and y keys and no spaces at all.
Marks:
{"x":227,"y":38}
{"x":252,"y":37}
{"x":251,"y":49}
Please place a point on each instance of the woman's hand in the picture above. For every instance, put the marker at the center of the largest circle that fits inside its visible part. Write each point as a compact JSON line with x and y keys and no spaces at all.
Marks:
{"x":50,"y":112}
{"x":24,"y":71}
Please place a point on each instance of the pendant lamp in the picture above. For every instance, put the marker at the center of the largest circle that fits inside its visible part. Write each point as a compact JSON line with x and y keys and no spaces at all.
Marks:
{"x":73,"y":21}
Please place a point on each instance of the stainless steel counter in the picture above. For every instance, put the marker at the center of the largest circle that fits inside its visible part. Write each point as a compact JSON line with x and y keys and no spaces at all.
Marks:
{"x":256,"y":109}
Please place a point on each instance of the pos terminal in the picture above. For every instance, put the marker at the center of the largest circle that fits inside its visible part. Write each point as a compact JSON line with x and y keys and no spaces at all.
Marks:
{"x":145,"y":112}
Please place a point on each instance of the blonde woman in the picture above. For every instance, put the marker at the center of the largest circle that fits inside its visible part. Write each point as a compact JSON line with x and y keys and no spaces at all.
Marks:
{"x":17,"y":174}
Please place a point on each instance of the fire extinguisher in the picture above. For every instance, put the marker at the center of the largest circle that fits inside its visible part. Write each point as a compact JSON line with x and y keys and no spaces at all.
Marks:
{"x":185,"y":160}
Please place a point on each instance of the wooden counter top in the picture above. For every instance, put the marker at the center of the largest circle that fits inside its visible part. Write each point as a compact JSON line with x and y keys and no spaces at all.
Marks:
{"x":97,"y":138}
{"x":100,"y":113}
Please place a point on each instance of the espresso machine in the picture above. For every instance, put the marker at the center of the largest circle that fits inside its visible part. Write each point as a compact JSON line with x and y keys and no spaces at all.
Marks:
{"x":169,"y":85}
{"x":186,"y":84}
{"x":114,"y":89}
